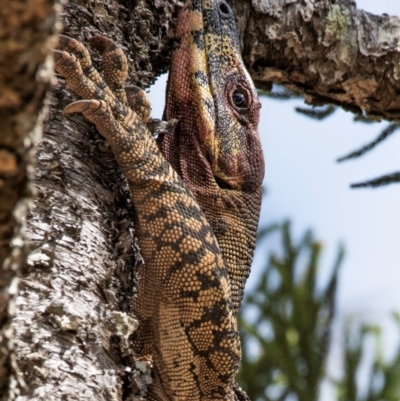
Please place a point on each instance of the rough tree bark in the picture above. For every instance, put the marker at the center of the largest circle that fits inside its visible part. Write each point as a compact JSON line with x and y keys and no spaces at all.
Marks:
{"x":73,"y":318}
{"x":328,"y":50}
{"x":27,"y":36}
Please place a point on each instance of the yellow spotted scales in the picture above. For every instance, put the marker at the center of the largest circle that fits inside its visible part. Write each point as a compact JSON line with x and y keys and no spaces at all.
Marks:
{"x":197,"y":195}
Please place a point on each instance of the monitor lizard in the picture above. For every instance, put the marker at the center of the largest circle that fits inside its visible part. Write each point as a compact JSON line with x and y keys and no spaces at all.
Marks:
{"x":196,"y":193}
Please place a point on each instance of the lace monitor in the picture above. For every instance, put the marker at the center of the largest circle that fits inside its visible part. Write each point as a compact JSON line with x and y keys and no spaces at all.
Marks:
{"x":197,"y":195}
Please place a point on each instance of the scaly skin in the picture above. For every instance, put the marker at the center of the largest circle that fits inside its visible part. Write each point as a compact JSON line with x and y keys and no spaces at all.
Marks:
{"x":197,"y":207}
{"x":216,"y":147}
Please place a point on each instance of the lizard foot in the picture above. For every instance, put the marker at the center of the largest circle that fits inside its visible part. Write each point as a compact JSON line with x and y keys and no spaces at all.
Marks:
{"x":110,"y":105}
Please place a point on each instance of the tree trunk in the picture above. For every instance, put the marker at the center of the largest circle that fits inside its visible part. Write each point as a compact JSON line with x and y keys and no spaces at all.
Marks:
{"x":73,"y":318}
{"x":72,"y":325}
{"x":27,"y":36}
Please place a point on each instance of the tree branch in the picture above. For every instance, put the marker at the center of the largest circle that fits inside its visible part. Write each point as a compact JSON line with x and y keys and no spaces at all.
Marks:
{"x":328,"y":50}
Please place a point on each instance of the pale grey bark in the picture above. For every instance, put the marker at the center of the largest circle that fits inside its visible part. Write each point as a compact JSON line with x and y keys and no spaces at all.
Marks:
{"x":73,"y":322}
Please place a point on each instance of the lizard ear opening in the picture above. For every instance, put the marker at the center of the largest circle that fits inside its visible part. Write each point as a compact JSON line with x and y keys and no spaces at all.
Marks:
{"x":221,"y":183}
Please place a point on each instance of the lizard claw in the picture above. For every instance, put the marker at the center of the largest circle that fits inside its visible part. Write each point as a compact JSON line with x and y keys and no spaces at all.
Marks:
{"x":81,"y":53}
{"x":103,"y":44}
{"x":84,"y":106}
{"x":62,"y":57}
{"x":65,"y":42}
{"x":73,"y":62}
{"x":98,"y":112}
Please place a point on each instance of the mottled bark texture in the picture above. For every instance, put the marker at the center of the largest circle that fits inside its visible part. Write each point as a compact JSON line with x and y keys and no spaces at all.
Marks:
{"x":73,"y":322}
{"x":328,"y":50}
{"x":73,"y":318}
{"x":27,"y":36}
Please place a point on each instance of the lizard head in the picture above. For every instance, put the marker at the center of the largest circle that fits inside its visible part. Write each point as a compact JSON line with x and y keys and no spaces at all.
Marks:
{"x":215,"y":144}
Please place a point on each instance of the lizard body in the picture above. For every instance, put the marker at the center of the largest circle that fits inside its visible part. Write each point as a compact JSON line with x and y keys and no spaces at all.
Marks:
{"x":215,"y":147}
{"x":197,"y":202}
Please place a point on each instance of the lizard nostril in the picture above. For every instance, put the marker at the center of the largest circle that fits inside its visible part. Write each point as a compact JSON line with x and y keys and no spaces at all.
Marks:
{"x":223,"y":8}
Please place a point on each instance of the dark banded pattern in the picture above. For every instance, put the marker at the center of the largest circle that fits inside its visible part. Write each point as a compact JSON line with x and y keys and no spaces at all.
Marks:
{"x":197,"y":202}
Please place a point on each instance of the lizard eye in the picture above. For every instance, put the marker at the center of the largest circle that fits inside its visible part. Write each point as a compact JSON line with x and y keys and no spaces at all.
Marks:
{"x":239,"y":99}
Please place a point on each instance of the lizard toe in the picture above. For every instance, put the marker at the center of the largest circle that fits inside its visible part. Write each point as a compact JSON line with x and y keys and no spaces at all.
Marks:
{"x":115,"y":65}
{"x":139,"y":102}
{"x":99,"y":113}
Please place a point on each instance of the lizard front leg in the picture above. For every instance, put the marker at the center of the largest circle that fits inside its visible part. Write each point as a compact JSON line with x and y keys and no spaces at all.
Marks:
{"x":184,"y":302}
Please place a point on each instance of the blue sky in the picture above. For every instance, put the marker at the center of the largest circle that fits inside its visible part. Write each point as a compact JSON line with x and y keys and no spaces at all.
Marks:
{"x":306,"y":185}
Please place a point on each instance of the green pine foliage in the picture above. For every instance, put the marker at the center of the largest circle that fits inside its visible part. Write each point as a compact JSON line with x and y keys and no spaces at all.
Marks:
{"x":285,"y":326}
{"x":383,"y":376}
{"x":289,"y":322}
